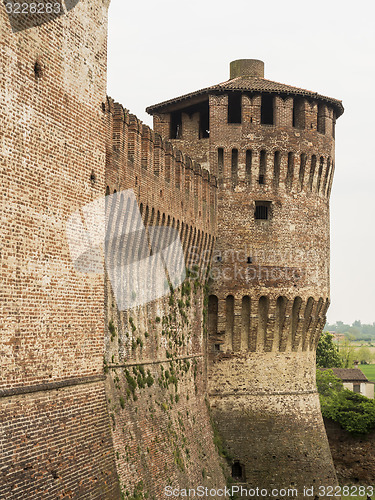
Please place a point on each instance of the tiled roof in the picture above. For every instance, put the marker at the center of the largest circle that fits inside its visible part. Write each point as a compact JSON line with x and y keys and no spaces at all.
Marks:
{"x":349,"y":374}
{"x":251,"y":84}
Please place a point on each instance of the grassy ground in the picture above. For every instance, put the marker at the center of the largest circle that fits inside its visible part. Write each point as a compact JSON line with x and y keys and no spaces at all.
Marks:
{"x":369,"y":371}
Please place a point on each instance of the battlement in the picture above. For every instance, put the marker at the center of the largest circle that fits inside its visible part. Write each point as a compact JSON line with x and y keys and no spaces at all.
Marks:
{"x":266,"y":170}
{"x":164,"y":179}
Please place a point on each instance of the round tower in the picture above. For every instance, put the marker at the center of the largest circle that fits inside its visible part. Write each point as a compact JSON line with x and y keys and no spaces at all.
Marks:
{"x":271,"y":147}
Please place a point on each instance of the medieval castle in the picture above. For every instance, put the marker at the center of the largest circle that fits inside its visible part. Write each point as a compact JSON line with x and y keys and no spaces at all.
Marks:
{"x":214,"y":382}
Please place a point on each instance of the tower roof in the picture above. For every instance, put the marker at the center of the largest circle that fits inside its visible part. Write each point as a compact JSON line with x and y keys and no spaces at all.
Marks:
{"x":246,"y":76}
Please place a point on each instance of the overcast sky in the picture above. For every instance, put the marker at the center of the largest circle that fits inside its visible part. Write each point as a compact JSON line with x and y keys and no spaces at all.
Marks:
{"x":160,"y":50}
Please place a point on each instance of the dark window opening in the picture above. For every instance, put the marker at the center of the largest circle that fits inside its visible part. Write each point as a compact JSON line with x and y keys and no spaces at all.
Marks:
{"x":107,"y":191}
{"x":298,"y":113}
{"x":234,"y":168}
{"x":267,"y":110}
{"x":217,"y":347}
{"x":262,"y":210}
{"x":357,"y":388}
{"x":176,"y":125}
{"x":249,"y":157}
{"x":261,"y":179}
{"x":321,"y":119}
{"x":38,"y":70}
{"x":276,"y":168}
{"x":220,"y":162}
{"x":237,"y":472}
{"x":234,"y":108}
{"x":204,"y":122}
{"x":249,"y":260}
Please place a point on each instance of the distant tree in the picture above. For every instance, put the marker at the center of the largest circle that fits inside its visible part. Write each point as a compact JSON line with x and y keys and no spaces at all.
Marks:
{"x":364,"y":355}
{"x":327,"y":353}
{"x":347,"y":353}
{"x":357,"y":324}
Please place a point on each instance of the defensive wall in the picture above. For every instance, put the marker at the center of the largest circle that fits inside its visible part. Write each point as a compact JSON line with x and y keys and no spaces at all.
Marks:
{"x":55,"y":436}
{"x":155,"y":355}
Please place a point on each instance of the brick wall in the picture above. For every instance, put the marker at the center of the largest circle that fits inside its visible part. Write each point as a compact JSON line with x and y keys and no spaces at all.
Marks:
{"x":352,"y":455}
{"x":55,"y":437}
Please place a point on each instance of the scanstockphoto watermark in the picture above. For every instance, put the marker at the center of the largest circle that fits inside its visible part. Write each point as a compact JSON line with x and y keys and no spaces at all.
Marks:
{"x":256,"y":492}
{"x":248,"y":265}
{"x":29,"y":13}
{"x":142,"y":263}
{"x":229,"y":492}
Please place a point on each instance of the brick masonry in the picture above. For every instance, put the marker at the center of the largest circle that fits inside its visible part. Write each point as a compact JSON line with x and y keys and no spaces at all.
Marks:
{"x":240,"y":351}
{"x":55,"y":436}
{"x":353,"y":455}
{"x":269,"y":281}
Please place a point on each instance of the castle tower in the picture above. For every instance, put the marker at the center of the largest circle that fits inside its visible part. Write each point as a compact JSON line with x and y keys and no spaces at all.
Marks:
{"x":272,"y":148}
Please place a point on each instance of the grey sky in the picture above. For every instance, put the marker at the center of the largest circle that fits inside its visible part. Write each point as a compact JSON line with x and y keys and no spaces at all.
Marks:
{"x":159,"y":50}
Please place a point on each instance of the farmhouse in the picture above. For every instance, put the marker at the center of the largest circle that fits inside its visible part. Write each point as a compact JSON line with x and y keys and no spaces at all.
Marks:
{"x":355,"y":380}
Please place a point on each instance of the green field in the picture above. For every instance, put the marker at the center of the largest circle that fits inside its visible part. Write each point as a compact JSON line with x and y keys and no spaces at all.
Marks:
{"x":369,"y":371}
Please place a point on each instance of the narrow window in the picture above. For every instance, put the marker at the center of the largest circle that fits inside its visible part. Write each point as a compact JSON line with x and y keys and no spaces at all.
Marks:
{"x":302,"y":170}
{"x":312,"y":171}
{"x":320,"y":173}
{"x":321,"y":119}
{"x":249,"y":159}
{"x":298,"y":113}
{"x":262,"y":210}
{"x":237,"y":472}
{"x":176,"y":125}
{"x":357,"y":388}
{"x":290,"y":172}
{"x":266,"y":111}
{"x":204,"y":122}
{"x":234,"y":168}
{"x":220,"y":162}
{"x":262,"y":167}
{"x":234,"y":108}
{"x":276,"y":169}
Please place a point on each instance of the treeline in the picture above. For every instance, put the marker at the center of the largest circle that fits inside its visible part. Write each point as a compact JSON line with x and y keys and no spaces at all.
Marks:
{"x":356,"y":331}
